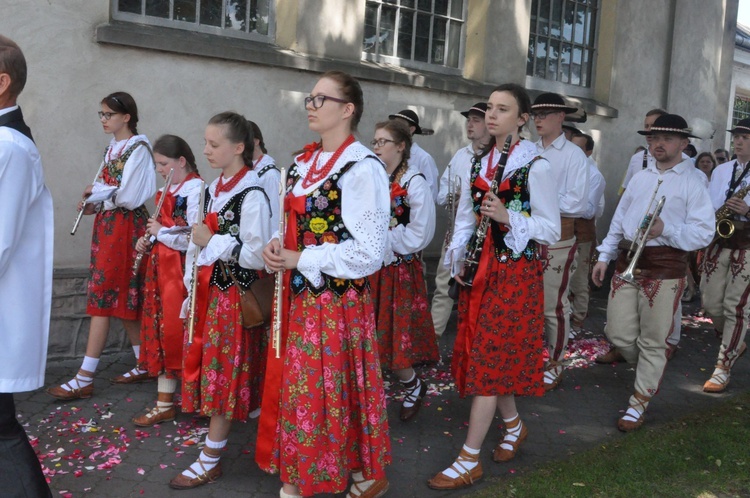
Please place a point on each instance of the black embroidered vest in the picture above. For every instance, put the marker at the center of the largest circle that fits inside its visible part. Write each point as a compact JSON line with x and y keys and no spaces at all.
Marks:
{"x":514,"y":192}
{"x":400,"y":215}
{"x":266,"y":169}
{"x":322,"y":222}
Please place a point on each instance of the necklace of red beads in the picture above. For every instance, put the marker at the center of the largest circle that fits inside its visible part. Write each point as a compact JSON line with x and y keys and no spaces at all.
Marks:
{"x":316,"y":173}
{"x":226,"y":187}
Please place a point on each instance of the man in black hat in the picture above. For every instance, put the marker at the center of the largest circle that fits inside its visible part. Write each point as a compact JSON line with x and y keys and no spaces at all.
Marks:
{"x":26,"y":234}
{"x":454,"y":177}
{"x":649,"y":279}
{"x":571,"y":166}
{"x":419,"y":157}
{"x":726,"y":270}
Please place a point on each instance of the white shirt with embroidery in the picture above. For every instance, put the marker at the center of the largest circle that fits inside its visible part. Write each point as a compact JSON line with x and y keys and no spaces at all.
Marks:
{"x":191,"y":190}
{"x":138,"y":183}
{"x":426,"y":165}
{"x":459,"y":163}
{"x":270,"y":183}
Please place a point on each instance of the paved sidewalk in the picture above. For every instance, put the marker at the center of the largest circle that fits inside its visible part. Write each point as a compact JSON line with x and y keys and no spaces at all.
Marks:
{"x":91,"y":448}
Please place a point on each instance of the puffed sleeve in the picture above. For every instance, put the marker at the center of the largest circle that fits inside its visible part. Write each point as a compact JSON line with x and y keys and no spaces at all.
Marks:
{"x":417,"y":234}
{"x":138,"y":183}
{"x":463,"y":227}
{"x":365,"y":210}
{"x":543,"y":225}
{"x":270,"y":183}
{"x":180,"y":241}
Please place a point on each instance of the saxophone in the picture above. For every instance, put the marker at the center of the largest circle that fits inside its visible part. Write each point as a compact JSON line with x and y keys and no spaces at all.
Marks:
{"x":724,"y":223}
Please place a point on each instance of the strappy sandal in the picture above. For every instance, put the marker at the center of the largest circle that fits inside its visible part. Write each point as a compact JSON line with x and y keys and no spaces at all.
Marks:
{"x":72,"y":392}
{"x":503,"y":454}
{"x":553,"y":375}
{"x":375,"y":490}
{"x":155,"y":416}
{"x":409,"y":413}
{"x":465,"y":477}
{"x":184,"y":482}
{"x":632,"y":421}
{"x":718,"y":382}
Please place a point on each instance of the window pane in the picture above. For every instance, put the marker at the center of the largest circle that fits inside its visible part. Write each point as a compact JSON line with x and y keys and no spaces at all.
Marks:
{"x":586,"y":68}
{"x":422,"y":38}
{"x":211,"y":12}
{"x":394,"y":2}
{"x":457,"y":9}
{"x":425,"y":5}
{"x":575,"y":67}
{"x":591,"y":22}
{"x":545,"y":7}
{"x":454,"y":44}
{"x":556,"y":20}
{"x":438,"y":41}
{"x":541,"y":58}
{"x":405,"y":33}
{"x":235,"y":15}
{"x":387,"y":28}
{"x":580,"y":26}
{"x":565,"y":55}
{"x":553,"y":55}
{"x":441,"y":7}
{"x":259,"y":15}
{"x":132,"y":6}
{"x":371,"y":39}
{"x":407,"y":3}
{"x":568,"y":16}
{"x":184,"y":10}
{"x":157,"y":8}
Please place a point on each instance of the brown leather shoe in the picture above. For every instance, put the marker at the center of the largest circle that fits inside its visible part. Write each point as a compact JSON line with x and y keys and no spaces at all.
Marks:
{"x":154,"y":416}
{"x":613,"y":356}
{"x":73,"y":393}
{"x":407,"y":414}
{"x":501,"y":454}
{"x":641,"y":403}
{"x":182,"y":482}
{"x":553,"y":373}
{"x":374,"y":490}
{"x":131,"y":378}
{"x":718,"y":382}
{"x":465,"y":477}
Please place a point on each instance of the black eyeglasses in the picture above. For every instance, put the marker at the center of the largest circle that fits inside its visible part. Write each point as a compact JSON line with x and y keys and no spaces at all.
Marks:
{"x":541,"y":114}
{"x":380,"y":142}
{"x":107,"y":115}
{"x":317,"y":101}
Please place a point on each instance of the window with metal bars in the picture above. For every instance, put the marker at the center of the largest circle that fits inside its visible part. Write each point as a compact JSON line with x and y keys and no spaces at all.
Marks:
{"x":238,"y":18}
{"x":562,"y":40}
{"x":741,"y":109}
{"x":417,"y":31}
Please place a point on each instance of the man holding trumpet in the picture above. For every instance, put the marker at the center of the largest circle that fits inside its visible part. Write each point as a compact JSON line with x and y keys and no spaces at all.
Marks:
{"x":725,"y":270}
{"x":650,"y":272}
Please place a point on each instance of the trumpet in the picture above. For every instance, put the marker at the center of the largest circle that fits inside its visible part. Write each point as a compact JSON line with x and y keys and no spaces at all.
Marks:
{"x":724,"y":223}
{"x":83,"y":206}
{"x":641,"y":237}
{"x":278,"y":303}
{"x":194,"y":271}
{"x":151,"y":239}
{"x":454,"y":188}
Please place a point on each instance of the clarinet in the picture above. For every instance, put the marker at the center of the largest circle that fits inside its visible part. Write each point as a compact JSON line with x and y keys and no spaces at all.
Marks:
{"x":476,"y":243}
{"x":194,"y":272}
{"x":278,"y":304}
{"x":151,"y":239}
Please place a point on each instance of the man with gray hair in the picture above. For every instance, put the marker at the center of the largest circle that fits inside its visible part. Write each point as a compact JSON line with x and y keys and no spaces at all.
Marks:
{"x":26,"y":235}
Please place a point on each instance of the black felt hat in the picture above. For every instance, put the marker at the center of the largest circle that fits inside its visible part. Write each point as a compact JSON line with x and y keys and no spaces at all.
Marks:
{"x":670,"y":123}
{"x":570,"y":126}
{"x":742,"y":126}
{"x":411,"y":117}
{"x":552,"y":102}
{"x":479,"y":108}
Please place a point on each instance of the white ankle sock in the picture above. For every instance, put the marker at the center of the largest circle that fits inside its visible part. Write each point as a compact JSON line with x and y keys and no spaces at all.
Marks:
{"x":511,"y":435}
{"x":163,"y":406}
{"x":449,"y":472}
{"x":90,"y":364}
{"x":77,"y":382}
{"x":137,"y":352}
{"x":632,"y":415}
{"x":208,"y":461}
{"x":413,"y":392}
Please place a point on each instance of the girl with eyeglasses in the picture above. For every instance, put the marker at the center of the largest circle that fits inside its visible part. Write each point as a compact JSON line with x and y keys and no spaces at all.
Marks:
{"x":127,"y":180}
{"x":164,"y":290}
{"x":498,"y":351}
{"x":324,"y":416}
{"x":406,"y":335}
{"x":223,"y":368}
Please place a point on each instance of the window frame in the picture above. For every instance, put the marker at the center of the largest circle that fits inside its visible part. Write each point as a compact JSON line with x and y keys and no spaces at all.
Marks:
{"x":378,"y":57}
{"x":196,"y":27}
{"x":547,"y":85}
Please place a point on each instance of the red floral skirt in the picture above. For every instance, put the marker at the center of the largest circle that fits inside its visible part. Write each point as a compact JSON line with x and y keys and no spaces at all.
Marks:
{"x":232,"y":361}
{"x":405,"y":332}
{"x":113,"y":290}
{"x":498,"y":349}
{"x":162,"y":328}
{"x":332,"y":415}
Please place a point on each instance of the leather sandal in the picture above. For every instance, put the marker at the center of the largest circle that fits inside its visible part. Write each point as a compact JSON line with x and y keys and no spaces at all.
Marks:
{"x":465,"y":477}
{"x":407,"y":414}
{"x":376,"y":489}
{"x":503,"y":454}
{"x":718,"y":382}
{"x":132,"y":377}
{"x":184,"y":482}
{"x":553,"y":375}
{"x":612,"y":356}
{"x":72,"y":392}
{"x":155,"y":416}
{"x":630,"y":422}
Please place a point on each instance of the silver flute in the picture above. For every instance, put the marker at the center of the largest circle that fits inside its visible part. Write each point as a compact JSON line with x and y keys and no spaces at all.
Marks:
{"x":83,"y":206}
{"x":278,"y":303}
{"x":194,"y":273}
{"x":151,"y":239}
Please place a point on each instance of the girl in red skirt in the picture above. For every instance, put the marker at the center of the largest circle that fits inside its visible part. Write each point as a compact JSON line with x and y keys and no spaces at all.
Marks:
{"x":223,"y":369}
{"x":128,"y":181}
{"x":498,"y":350}
{"x":406,"y":335}
{"x":268,"y":174}
{"x":164,"y":290}
{"x":324,"y":415}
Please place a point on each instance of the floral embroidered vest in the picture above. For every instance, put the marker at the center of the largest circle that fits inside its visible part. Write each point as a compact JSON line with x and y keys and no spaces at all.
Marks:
{"x":514,"y":192}
{"x":320,"y":223}
{"x":401,"y":214}
{"x":229,"y":222}
{"x":112,"y":172}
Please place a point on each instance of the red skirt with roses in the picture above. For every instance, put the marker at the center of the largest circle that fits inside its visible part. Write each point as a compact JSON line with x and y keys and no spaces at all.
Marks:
{"x":232,"y":361}
{"x":405,"y":332}
{"x":332,"y":415}
{"x":498,"y":349}
{"x":113,"y":290}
